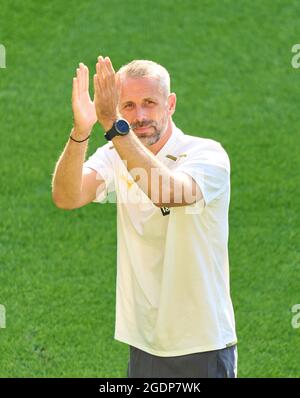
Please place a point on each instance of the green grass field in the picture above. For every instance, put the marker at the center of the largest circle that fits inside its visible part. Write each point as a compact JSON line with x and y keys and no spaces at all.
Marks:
{"x":230,"y":65}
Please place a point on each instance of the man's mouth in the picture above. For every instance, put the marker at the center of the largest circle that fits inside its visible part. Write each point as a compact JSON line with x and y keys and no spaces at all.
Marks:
{"x":141,"y":129}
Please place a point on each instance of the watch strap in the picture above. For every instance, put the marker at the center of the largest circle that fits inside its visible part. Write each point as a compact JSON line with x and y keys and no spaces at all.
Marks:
{"x":110,"y":134}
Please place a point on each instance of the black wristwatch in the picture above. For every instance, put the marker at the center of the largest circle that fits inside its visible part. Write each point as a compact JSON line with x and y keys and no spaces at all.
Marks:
{"x":120,"y":127}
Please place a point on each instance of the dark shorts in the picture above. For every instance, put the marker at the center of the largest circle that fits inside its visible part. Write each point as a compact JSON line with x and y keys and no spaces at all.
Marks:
{"x":211,"y":364}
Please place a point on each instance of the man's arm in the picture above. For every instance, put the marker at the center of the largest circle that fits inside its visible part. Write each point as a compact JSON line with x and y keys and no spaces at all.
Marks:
{"x":71,"y":186}
{"x":164,"y":187}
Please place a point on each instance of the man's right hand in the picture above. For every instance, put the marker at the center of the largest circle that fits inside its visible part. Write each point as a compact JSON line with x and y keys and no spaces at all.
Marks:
{"x":83,"y":108}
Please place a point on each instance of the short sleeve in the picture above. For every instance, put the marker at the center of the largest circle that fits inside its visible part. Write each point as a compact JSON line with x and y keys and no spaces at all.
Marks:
{"x":102,"y":162}
{"x":209,"y":166}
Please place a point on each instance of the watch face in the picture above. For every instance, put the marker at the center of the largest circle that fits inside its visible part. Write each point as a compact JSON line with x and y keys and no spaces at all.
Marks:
{"x":122,"y":126}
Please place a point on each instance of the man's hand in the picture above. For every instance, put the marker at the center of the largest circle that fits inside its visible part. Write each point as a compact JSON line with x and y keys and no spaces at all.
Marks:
{"x":106,"y":93}
{"x":83,"y":108}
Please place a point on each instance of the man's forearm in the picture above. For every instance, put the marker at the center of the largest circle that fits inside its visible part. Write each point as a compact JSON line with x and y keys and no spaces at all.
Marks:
{"x":67,"y":177}
{"x":153,"y":177}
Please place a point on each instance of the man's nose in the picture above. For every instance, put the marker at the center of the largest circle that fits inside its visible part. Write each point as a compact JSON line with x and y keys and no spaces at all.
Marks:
{"x":141,"y":114}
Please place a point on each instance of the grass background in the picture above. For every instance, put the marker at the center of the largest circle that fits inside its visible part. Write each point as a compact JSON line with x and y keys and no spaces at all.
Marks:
{"x":230,"y":64}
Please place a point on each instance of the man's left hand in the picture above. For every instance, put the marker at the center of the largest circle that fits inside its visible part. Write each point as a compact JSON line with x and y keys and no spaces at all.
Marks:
{"x":106,"y":93}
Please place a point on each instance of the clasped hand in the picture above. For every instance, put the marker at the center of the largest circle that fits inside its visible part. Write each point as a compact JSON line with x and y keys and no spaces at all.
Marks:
{"x":106,"y":95}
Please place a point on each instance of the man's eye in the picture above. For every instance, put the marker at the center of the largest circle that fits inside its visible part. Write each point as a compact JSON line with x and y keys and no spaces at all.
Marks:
{"x":128,"y":106}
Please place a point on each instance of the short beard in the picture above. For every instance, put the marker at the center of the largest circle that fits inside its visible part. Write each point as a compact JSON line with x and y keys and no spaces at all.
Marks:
{"x":152,"y":139}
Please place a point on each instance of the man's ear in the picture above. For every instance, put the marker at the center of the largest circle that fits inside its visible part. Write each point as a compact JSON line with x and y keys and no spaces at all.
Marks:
{"x":171,"y":103}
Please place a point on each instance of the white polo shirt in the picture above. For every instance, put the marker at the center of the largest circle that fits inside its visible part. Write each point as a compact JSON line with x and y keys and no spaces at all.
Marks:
{"x":172,"y":293}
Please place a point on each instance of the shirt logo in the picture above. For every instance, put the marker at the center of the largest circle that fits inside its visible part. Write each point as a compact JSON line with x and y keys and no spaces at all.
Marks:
{"x":165,"y":211}
{"x":127,"y":181}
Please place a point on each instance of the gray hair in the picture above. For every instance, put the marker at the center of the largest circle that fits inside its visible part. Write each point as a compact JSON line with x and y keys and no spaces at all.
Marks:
{"x":144,"y":68}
